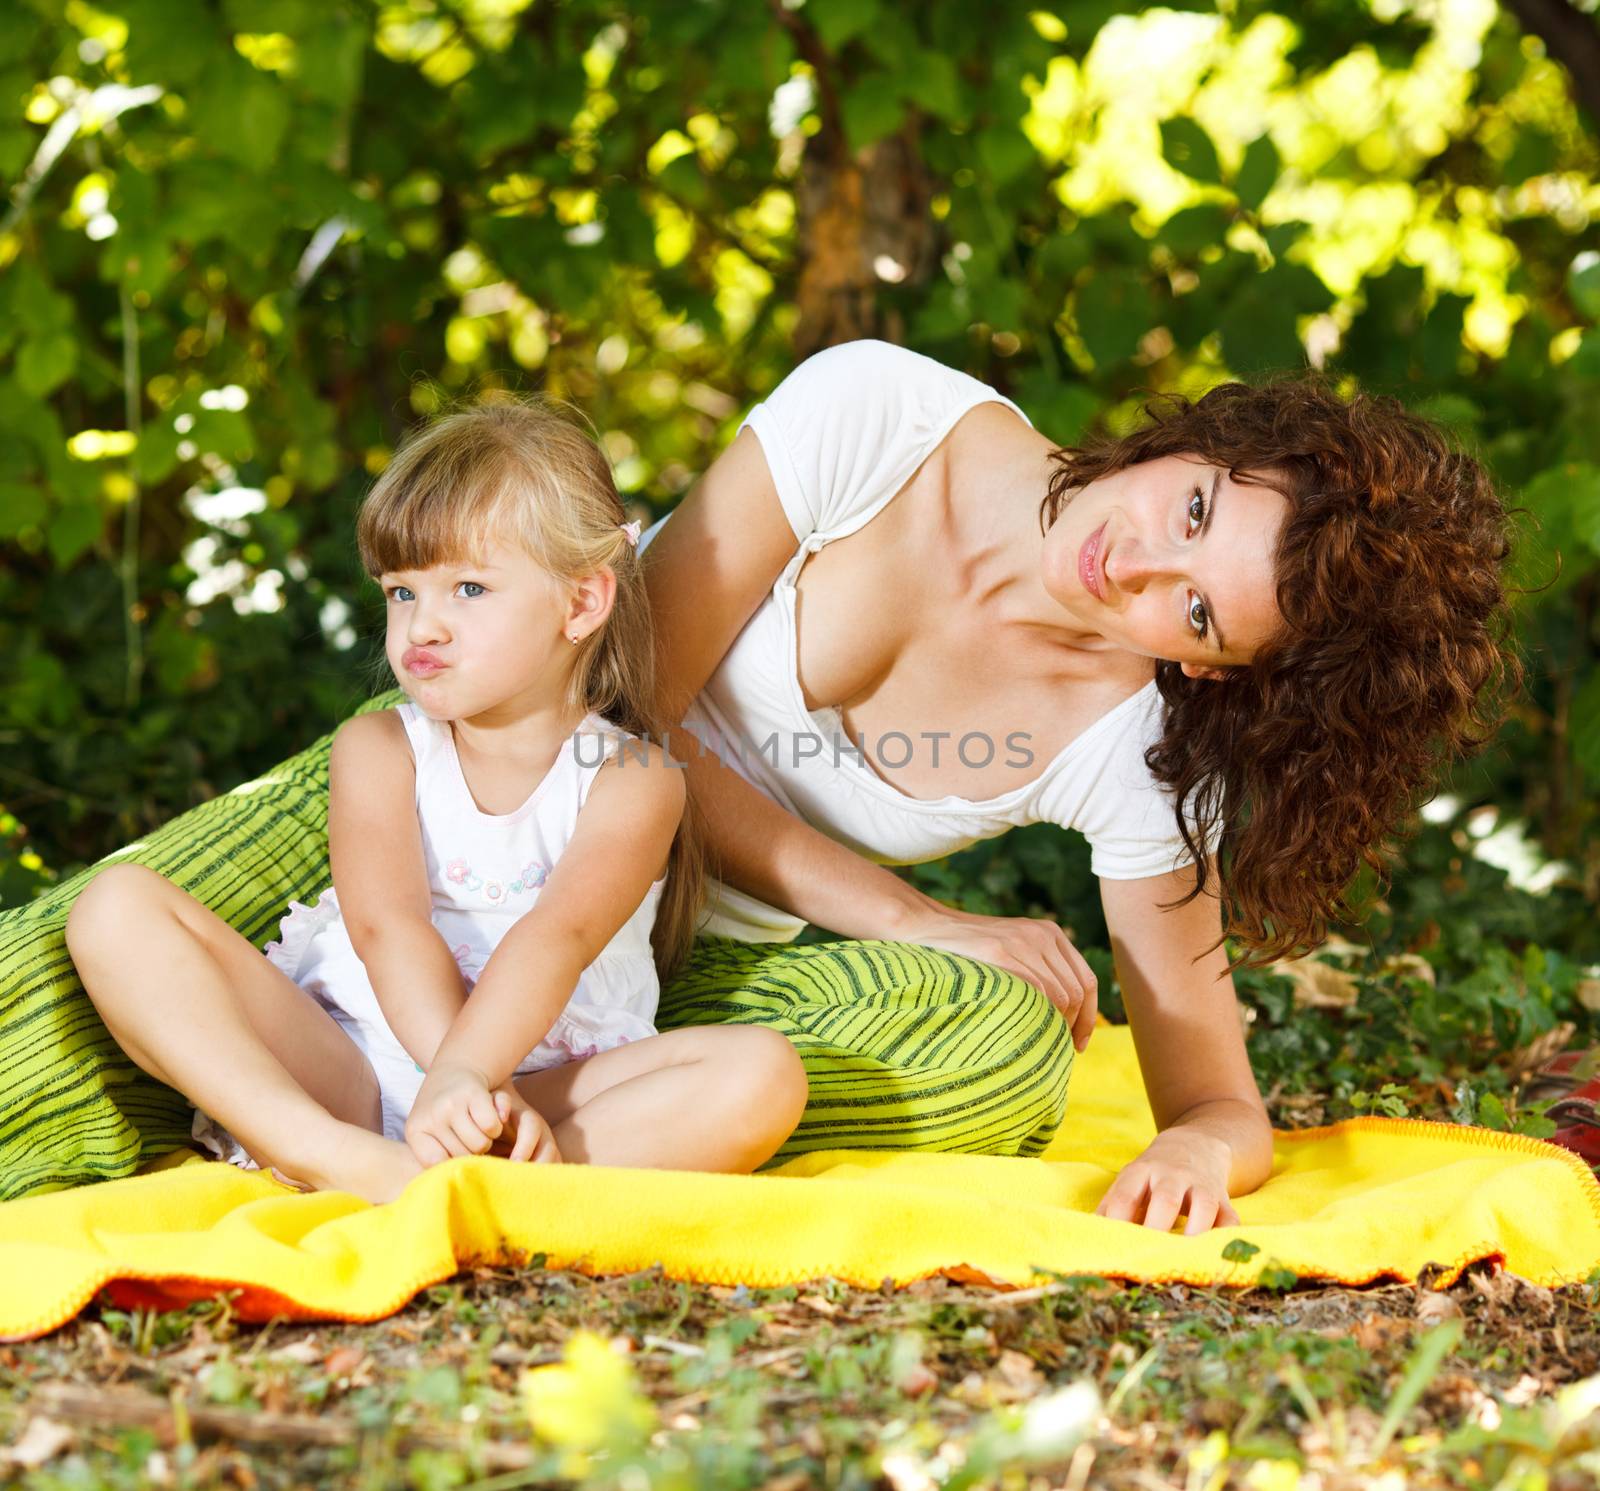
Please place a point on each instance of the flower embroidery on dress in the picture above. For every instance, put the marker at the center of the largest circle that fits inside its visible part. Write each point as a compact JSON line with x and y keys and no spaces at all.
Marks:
{"x":532,"y":876}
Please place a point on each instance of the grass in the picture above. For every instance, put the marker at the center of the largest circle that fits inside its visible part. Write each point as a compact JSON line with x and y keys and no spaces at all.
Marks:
{"x":1079,"y":1382}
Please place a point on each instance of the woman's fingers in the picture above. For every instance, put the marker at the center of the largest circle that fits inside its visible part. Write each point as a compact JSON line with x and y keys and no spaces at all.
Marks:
{"x":1161,"y":1210}
{"x":1089,"y":1005}
{"x":1202,"y":1214}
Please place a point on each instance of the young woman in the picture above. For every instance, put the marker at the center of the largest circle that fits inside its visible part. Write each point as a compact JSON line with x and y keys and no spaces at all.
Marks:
{"x":1252,"y":627}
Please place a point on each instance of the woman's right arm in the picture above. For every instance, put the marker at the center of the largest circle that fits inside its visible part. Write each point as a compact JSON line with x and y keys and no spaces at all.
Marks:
{"x":707,"y":571}
{"x":381,"y":879}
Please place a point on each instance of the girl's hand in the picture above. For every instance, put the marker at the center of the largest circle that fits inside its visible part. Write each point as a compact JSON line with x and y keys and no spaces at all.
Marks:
{"x":1181,"y":1170}
{"x":1035,"y":949}
{"x":454,"y":1114}
{"x":526,"y":1135}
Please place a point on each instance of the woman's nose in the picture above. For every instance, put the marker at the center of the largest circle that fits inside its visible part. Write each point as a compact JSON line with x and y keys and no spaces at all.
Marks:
{"x":1130,"y":566}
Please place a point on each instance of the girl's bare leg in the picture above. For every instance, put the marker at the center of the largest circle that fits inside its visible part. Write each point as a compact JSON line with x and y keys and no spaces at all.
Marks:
{"x":713,"y":1097}
{"x":199,"y":1008}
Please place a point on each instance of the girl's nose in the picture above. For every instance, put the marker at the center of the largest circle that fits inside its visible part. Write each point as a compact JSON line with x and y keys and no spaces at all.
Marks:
{"x":424,"y":624}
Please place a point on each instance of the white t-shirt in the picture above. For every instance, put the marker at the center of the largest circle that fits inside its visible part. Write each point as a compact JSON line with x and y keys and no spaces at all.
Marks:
{"x":842,"y":434}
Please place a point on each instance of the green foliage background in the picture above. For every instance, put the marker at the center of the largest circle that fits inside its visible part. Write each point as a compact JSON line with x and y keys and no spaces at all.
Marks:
{"x":246,"y":243}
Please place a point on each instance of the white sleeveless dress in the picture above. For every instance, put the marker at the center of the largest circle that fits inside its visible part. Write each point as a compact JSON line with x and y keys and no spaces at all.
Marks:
{"x":485,"y":870}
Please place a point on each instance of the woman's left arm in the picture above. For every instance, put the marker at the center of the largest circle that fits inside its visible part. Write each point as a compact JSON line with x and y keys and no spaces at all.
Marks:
{"x":1214,"y":1139}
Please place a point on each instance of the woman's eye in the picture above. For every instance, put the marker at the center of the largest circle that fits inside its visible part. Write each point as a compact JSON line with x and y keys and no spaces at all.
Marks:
{"x":1197,"y":508}
{"x":1198,"y":618}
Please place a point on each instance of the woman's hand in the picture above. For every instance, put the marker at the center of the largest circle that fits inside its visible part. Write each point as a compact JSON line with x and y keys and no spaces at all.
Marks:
{"x":526,"y":1135}
{"x":1181,"y":1170}
{"x":1035,"y":949}
{"x":455,"y":1113}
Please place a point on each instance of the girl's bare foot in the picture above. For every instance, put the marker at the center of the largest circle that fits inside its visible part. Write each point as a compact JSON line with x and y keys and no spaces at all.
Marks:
{"x":359,"y":1162}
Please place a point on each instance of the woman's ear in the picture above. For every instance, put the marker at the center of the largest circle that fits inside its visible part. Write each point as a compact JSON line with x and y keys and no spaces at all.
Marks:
{"x":1196,"y":670}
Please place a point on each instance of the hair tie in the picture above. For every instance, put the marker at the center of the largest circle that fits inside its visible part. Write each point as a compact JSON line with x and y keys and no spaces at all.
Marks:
{"x":632,"y":530}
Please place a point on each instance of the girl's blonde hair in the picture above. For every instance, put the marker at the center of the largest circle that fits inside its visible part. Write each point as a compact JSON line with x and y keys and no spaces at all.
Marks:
{"x":521,"y":471}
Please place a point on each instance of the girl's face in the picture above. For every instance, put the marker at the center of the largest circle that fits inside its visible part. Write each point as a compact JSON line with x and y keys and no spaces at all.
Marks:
{"x":1171,"y":559}
{"x":465,"y":639}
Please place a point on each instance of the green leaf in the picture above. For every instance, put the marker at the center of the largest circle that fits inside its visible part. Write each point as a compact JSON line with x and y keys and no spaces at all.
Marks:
{"x":46,"y":362}
{"x":871,"y":110}
{"x":1492,"y":1112}
{"x":1585,"y":362}
{"x":1195,"y":229}
{"x":1583,"y":725}
{"x":75,"y":526}
{"x":242,"y":113}
{"x":329,"y":60}
{"x":837,"y":21}
{"x":1188,"y":148}
{"x":1005,"y":153}
{"x":932,"y":82}
{"x":1113,"y":311}
{"x":1258,"y":172}
{"x":1583,"y":284}
{"x":1258,"y":324}
{"x":22,"y":505}
{"x":156,"y":454}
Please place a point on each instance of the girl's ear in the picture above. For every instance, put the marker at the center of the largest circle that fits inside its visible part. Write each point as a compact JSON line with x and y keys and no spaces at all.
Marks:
{"x":592,"y":599}
{"x":1196,"y":670}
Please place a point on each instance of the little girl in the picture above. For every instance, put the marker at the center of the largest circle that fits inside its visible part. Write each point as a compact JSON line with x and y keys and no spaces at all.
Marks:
{"x":512,"y":878}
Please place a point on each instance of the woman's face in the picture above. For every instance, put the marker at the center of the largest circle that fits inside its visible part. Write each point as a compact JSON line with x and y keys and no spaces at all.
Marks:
{"x":1171,"y":559}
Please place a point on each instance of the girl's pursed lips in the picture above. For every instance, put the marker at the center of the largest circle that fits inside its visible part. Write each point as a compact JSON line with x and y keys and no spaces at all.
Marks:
{"x":420,"y":660}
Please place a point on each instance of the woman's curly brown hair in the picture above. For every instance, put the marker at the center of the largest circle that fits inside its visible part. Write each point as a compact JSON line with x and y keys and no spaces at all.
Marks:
{"x":1393,"y":657}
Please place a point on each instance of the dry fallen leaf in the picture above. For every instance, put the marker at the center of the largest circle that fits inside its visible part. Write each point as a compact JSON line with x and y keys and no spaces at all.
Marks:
{"x":41,"y":1442}
{"x":1019,"y":1370}
{"x":305,"y":1351}
{"x":1319,"y":985}
{"x":1539,"y":1050}
{"x":1375,"y":1332}
{"x":1434,"y":1306}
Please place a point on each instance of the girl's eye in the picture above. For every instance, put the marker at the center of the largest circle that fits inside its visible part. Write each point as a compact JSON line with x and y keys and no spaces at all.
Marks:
{"x":1197,"y":509}
{"x":1198,"y":618}
{"x":396,"y":595}
{"x":475,"y":585}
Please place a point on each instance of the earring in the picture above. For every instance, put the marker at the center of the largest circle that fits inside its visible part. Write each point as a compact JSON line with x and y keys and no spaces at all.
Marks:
{"x":572,"y":640}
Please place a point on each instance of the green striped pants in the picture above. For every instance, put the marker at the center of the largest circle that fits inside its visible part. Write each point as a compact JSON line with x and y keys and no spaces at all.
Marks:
{"x":905,"y":1047}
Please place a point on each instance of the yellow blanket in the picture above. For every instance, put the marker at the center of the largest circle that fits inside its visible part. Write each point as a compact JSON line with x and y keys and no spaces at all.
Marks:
{"x":1361,"y":1200}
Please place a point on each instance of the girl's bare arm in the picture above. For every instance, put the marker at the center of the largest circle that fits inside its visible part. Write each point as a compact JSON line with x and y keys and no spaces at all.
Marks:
{"x":375,"y":845}
{"x":624,"y":831}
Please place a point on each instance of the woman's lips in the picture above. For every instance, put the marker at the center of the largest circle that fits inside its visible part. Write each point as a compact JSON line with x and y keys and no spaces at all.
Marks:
{"x":1089,"y":564}
{"x":420,"y":661}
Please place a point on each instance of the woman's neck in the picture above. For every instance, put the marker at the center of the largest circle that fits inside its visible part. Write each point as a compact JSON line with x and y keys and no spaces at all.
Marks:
{"x":997,"y":483}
